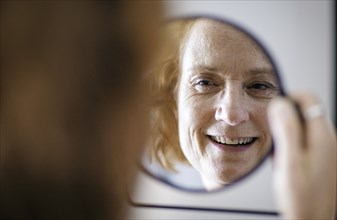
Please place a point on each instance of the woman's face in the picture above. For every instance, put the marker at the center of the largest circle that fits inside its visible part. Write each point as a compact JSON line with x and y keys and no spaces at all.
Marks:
{"x":225,"y":86}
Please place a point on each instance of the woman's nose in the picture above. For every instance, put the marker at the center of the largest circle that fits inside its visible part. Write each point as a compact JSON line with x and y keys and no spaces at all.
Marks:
{"x":232,"y":109}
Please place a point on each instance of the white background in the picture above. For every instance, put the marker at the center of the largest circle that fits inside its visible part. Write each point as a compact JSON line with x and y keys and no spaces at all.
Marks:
{"x":300,"y":37}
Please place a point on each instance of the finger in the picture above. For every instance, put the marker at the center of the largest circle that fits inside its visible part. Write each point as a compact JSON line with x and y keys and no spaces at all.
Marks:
{"x":319,"y":131}
{"x":284,"y":122}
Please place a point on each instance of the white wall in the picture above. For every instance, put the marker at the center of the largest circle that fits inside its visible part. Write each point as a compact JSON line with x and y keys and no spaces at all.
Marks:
{"x":299,"y":35}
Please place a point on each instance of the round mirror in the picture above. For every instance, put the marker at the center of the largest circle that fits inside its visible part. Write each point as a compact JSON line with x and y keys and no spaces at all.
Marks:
{"x":210,"y":84}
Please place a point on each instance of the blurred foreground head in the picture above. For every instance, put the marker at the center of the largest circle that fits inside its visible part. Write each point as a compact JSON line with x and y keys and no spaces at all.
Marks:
{"x":72,"y":105}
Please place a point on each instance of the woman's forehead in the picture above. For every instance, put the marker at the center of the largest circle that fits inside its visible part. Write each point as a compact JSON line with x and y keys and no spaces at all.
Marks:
{"x":212,"y":30}
{"x":214,"y":43}
{"x":211,"y":37}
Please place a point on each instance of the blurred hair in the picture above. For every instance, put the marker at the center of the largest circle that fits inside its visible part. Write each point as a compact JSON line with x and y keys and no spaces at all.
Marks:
{"x":70,"y":73}
{"x":164,"y":146}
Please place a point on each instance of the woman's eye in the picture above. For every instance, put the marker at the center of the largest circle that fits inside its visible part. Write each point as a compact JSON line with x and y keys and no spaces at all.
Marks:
{"x":260,"y":86}
{"x":262,"y":89}
{"x":204,"y":82}
{"x":204,"y":85}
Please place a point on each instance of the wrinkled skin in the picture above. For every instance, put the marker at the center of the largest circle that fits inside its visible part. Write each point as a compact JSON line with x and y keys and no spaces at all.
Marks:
{"x":226,"y":84}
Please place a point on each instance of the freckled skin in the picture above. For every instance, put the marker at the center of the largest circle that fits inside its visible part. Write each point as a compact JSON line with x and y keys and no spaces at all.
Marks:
{"x":226,"y":84}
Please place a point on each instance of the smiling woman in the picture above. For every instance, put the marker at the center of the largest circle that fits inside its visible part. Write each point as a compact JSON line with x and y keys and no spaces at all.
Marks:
{"x":212,"y":86}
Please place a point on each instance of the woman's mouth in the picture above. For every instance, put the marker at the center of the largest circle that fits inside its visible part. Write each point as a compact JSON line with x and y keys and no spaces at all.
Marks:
{"x":233,"y":142}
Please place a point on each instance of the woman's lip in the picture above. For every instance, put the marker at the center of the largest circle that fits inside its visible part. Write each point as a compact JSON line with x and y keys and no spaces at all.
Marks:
{"x":231,"y":140}
{"x":233,"y":148}
{"x":232,"y":137}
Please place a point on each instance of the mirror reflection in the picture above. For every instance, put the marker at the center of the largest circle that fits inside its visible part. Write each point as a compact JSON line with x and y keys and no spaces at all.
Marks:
{"x":211,"y":85}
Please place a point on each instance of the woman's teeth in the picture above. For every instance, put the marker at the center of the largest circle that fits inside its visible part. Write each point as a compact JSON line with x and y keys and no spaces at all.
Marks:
{"x":232,"y":141}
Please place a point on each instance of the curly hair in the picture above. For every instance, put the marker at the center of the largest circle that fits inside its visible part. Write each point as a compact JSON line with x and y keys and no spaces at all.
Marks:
{"x":164,"y":146}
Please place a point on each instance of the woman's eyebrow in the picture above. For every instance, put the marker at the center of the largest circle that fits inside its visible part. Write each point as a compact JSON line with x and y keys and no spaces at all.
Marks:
{"x":266,"y":71}
{"x":262,"y":70}
{"x":254,"y":71}
{"x":197,"y":69}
